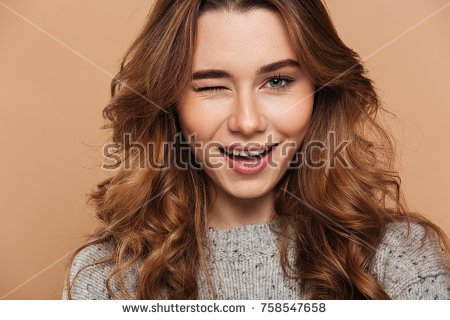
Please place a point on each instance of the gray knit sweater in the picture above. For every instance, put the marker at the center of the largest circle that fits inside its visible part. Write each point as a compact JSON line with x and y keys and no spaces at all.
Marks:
{"x":246,"y":266}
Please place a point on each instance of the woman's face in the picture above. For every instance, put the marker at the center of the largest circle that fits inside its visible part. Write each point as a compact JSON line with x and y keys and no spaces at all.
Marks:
{"x":252,"y":106}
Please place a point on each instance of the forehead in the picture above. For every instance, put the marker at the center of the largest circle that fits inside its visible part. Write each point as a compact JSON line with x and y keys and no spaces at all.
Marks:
{"x":230,"y":38}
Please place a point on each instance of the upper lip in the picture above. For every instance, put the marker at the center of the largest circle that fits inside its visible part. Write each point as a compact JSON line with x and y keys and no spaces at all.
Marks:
{"x":254,"y":147}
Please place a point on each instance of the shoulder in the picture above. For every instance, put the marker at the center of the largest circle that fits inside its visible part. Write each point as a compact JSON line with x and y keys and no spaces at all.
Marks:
{"x":411,"y":267}
{"x":90,"y":283}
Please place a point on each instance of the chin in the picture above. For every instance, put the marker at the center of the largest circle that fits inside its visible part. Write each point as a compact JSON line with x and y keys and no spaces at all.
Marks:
{"x":251,"y":190}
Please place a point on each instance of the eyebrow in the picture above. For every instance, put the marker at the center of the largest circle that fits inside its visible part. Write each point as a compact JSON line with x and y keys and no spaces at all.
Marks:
{"x":217,"y":74}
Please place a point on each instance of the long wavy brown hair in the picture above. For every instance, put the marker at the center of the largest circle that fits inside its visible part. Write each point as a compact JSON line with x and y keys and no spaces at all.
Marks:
{"x":158,"y":217}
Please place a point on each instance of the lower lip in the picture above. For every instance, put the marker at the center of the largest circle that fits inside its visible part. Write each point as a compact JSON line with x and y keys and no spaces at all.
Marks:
{"x":249,"y":167}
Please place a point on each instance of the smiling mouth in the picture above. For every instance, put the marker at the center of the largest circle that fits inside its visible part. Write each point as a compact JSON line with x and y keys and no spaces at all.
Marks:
{"x":223,"y":152}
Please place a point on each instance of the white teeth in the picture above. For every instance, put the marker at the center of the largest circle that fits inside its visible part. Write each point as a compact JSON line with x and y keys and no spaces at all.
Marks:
{"x":255,"y":153}
{"x":246,"y":153}
{"x":236,"y":153}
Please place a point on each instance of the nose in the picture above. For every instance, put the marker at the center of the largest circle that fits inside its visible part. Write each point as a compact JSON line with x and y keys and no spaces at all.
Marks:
{"x":247,"y":117}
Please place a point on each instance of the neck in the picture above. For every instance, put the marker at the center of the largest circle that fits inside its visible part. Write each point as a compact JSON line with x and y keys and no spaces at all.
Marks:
{"x":227,"y":211}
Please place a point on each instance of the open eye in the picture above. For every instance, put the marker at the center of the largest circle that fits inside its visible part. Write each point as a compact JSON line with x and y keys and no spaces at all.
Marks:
{"x":278,"y":80}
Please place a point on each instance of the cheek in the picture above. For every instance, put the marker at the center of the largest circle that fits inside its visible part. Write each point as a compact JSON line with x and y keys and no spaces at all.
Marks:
{"x":201,"y":115}
{"x":293,"y":125}
{"x":292,"y":117}
{"x":295,"y":122}
{"x":197,"y":123}
{"x":189,"y":116}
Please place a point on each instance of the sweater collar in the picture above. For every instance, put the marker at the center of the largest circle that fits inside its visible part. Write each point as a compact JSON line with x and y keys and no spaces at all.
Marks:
{"x":244,"y":242}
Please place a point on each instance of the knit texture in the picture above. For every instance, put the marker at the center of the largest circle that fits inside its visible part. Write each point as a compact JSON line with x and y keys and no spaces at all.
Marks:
{"x":245,"y":265}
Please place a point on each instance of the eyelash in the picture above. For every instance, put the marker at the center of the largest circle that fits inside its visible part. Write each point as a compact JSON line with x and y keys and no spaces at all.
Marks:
{"x":279,"y":76}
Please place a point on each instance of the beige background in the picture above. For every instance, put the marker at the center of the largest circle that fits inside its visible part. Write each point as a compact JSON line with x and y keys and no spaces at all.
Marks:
{"x":57,"y":59}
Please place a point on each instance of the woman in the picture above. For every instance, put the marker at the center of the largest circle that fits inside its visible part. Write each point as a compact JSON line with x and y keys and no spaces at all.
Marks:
{"x":290,"y":191}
